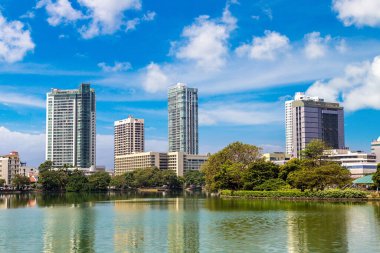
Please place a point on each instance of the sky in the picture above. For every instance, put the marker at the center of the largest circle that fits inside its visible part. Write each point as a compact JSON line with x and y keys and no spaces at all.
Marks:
{"x":246,"y":57}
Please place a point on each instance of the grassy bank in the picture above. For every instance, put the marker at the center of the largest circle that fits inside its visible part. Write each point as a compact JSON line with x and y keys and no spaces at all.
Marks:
{"x":327,"y":194}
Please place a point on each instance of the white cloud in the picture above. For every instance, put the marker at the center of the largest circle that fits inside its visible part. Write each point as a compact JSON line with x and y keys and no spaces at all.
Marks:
{"x":31,"y":147}
{"x":266,"y":47}
{"x":117,"y":67}
{"x":15,"y":41}
{"x":106,"y":16}
{"x":133,"y":23}
{"x":359,"y":88}
{"x":358,"y":12}
{"x":100,"y":17}
{"x":240,"y":113}
{"x":60,"y":11}
{"x":155,"y":79}
{"x":21,"y":99}
{"x":316,"y":46}
{"x":205,"y":41}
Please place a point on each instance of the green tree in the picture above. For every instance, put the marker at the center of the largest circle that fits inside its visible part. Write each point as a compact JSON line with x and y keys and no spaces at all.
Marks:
{"x":77,"y":181}
{"x":99,"y":181}
{"x":314,"y":152}
{"x":273,"y":184}
{"x":228,"y":164}
{"x":331,"y":175}
{"x":45,"y":166}
{"x":170,"y":179}
{"x":149,"y":177}
{"x":194,"y":177}
{"x":119,"y":182}
{"x":259,"y":172}
{"x":376,"y":177}
{"x":52,"y":180}
{"x":292,"y":165}
{"x":2,"y":182}
{"x":19,"y":181}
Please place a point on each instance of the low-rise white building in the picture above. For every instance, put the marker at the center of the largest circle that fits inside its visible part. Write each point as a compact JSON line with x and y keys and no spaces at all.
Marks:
{"x":179,"y":162}
{"x":358,"y":163}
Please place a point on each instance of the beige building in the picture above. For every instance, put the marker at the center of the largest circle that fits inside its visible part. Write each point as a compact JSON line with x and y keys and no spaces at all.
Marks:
{"x":277,"y":157}
{"x":179,"y":162}
{"x":9,"y":166}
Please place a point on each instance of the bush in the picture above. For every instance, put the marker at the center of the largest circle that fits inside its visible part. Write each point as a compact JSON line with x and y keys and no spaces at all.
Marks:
{"x":271,"y":185}
{"x":327,"y":194}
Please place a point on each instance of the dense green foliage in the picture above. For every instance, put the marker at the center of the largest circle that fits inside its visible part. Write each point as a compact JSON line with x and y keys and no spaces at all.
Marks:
{"x":19,"y":181}
{"x":376,"y":177}
{"x":333,"y":193}
{"x":239,"y":167}
{"x":53,"y":180}
{"x":2,"y":182}
{"x":194,"y":178}
{"x":45,"y":166}
{"x":77,"y":181}
{"x":99,"y":181}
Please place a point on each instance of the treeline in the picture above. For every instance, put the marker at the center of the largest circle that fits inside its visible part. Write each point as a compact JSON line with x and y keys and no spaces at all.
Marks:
{"x":240,"y":167}
{"x":76,"y":181}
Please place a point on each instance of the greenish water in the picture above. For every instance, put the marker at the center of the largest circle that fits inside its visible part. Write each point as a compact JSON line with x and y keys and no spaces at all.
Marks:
{"x":183,"y":223}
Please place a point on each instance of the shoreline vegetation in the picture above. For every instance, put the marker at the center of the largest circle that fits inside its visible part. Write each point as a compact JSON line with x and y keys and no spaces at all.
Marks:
{"x":237,"y":171}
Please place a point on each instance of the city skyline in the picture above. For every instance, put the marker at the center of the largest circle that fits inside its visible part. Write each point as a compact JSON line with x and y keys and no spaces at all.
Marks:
{"x":261,"y":56}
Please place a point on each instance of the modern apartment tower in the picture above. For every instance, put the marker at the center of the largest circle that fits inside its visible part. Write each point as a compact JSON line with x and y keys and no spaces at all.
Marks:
{"x":71,"y":127}
{"x":128,"y":137}
{"x":308,"y":118}
{"x":183,"y":119}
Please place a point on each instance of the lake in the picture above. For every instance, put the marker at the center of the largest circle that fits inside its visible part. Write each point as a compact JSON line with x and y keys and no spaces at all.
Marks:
{"x":183,"y":223}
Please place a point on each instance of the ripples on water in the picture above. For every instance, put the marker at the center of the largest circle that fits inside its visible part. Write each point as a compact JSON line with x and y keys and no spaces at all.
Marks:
{"x":183,"y":223}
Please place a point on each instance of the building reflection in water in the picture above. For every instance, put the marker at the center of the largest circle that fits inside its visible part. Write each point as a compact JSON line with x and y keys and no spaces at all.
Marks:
{"x":69,"y":229}
{"x":312,"y":227}
{"x":156,"y":225}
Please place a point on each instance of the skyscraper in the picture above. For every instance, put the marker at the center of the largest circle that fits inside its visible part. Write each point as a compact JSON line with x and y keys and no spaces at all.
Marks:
{"x":128,"y":138}
{"x":308,"y":118}
{"x":71,"y":127}
{"x":183,"y":119}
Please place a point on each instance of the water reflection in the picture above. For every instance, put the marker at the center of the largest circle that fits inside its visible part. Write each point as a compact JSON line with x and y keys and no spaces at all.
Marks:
{"x":111,"y":222}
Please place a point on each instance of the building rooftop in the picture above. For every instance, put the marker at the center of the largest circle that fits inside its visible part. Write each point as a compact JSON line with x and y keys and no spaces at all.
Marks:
{"x":364,"y":180}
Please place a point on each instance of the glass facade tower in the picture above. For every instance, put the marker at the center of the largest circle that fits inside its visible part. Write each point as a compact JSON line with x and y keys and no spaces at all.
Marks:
{"x":183,"y":119}
{"x":71,"y":127}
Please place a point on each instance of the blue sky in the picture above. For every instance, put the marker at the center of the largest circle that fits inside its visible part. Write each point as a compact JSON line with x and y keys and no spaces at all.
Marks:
{"x":246,"y":57}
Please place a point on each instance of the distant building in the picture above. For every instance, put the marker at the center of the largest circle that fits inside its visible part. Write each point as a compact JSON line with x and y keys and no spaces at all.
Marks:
{"x":9,"y":166}
{"x":183,"y":119}
{"x":176,"y":161}
{"x":71,"y":127}
{"x":128,"y":137}
{"x":308,"y":118}
{"x":358,"y":163}
{"x":277,"y":157}
{"x":375,"y":149}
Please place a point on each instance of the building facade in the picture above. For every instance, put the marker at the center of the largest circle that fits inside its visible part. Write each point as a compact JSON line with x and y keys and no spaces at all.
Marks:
{"x":179,"y":162}
{"x":375,"y":149}
{"x":358,"y":163}
{"x":128,"y":137}
{"x":279,"y":158}
{"x":71,"y":127}
{"x":9,"y":166}
{"x":313,"y":118}
{"x":183,"y":119}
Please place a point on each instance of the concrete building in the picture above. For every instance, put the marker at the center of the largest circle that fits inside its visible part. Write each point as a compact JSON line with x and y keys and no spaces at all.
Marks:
{"x":279,"y":158}
{"x":375,"y":149}
{"x":309,"y":118}
{"x":183,"y":119}
{"x":71,"y":127}
{"x":128,"y":137}
{"x":179,"y":162}
{"x":9,"y":166}
{"x":358,"y":163}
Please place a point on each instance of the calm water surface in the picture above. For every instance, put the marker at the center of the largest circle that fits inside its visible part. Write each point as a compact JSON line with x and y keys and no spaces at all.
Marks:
{"x":183,"y":223}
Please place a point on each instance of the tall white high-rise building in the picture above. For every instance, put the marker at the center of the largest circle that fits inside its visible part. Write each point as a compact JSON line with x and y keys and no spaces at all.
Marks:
{"x":128,"y":137}
{"x":308,"y":118}
{"x":183,"y":119}
{"x":71,"y":127}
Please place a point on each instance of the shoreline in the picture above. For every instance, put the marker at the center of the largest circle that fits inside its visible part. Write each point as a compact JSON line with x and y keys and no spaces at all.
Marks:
{"x":366,"y":199}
